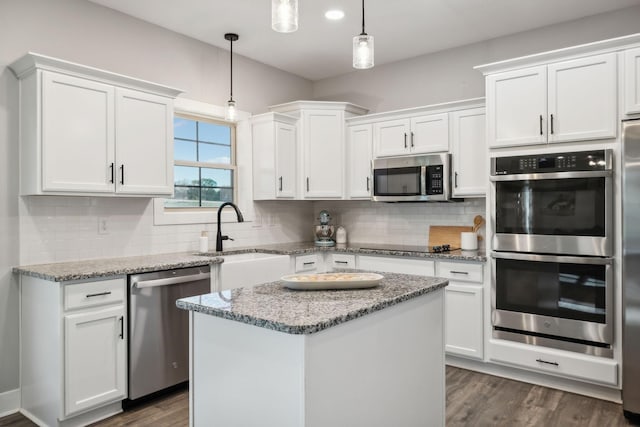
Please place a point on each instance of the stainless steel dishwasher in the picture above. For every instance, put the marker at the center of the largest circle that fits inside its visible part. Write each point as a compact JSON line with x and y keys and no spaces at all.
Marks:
{"x":158,"y":330}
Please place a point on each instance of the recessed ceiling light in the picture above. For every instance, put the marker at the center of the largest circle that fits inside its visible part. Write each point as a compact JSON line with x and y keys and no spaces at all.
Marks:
{"x":334,"y":14}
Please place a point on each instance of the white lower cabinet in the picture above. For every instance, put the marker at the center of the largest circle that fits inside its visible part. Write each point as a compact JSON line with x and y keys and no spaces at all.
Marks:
{"x":464,"y":313}
{"x":95,"y":357}
{"x":73,"y":350}
{"x":311,"y":263}
{"x":342,"y":261}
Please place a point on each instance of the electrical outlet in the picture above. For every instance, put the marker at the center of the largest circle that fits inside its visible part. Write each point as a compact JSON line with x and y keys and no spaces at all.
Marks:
{"x":103,"y":225}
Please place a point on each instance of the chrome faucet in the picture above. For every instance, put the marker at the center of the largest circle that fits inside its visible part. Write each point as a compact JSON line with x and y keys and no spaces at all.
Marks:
{"x":219,"y":236}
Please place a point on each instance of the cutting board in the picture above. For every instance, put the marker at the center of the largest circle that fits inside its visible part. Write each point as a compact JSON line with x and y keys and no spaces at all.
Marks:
{"x":446,"y":235}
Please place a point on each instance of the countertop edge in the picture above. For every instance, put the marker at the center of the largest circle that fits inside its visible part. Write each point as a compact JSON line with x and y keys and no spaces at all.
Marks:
{"x":309,"y":329}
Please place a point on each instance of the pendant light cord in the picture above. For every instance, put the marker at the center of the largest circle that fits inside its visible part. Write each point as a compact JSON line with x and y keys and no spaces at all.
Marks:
{"x":363,"y":33}
{"x":231,"y":70}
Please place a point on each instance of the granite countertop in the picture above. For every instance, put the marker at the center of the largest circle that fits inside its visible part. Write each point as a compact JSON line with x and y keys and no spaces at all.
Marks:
{"x":272,"y":306}
{"x":78,"y":270}
{"x":301,"y":248}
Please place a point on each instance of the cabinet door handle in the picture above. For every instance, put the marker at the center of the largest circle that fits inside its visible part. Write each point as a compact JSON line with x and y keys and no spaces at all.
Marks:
{"x":307,"y":184}
{"x":341,"y":262}
{"x":552,"y":124}
{"x":121,"y":336}
{"x":548,"y":363}
{"x":98,"y":294}
{"x":309,"y":263}
{"x":280,"y":179}
{"x":412,"y":140}
{"x":405,"y":140}
{"x":368,"y":183}
{"x":455,"y":180}
{"x":540,"y":124}
{"x":113,"y":173}
{"x":122,"y":174}
{"x":459,"y":272}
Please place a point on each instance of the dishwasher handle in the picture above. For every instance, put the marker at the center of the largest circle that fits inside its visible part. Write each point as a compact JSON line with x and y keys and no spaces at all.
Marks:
{"x":171,"y":280}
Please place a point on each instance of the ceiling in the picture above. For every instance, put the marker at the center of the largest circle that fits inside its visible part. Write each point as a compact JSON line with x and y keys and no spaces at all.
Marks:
{"x":322,"y":48}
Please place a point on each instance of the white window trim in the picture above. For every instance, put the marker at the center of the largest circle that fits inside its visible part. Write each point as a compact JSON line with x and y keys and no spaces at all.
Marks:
{"x":162,"y":216}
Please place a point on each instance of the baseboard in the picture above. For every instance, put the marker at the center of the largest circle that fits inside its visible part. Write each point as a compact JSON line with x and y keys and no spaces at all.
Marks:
{"x":527,"y":376}
{"x":9,"y":402}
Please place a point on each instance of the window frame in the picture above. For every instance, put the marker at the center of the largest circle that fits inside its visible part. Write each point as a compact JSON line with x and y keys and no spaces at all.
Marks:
{"x":207,"y":215}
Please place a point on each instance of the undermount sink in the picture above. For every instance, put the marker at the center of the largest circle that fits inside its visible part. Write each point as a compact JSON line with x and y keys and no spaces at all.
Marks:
{"x":249,"y":269}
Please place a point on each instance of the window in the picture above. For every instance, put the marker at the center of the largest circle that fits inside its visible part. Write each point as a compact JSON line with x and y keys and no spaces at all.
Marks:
{"x":204,"y":163}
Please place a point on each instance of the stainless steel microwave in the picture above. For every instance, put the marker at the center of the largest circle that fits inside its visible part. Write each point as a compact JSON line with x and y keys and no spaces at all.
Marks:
{"x":424,"y":178}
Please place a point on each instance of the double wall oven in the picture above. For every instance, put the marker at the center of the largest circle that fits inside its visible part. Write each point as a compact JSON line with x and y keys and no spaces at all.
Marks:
{"x":552,"y":275}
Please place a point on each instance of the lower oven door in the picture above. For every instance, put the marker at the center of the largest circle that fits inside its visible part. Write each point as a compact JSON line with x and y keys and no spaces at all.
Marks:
{"x":553,"y":297}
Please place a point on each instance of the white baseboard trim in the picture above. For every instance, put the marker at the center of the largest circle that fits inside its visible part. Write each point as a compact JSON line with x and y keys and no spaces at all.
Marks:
{"x":9,"y":402}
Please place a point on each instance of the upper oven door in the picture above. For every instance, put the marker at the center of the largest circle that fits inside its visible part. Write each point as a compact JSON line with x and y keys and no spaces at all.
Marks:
{"x":556,"y":213}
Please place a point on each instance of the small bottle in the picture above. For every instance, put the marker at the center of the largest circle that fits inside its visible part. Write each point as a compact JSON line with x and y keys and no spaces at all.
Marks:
{"x":341,"y":235}
{"x":204,"y":242}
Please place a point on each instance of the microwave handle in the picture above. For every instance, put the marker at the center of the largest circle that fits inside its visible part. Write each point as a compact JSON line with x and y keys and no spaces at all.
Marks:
{"x":423,"y":180}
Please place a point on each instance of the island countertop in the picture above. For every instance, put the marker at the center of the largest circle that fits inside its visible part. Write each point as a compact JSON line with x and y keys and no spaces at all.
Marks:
{"x":276,"y":307}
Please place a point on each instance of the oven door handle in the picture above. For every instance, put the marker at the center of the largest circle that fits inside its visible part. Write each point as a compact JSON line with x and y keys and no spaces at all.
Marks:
{"x":566,"y":259}
{"x":552,"y":175}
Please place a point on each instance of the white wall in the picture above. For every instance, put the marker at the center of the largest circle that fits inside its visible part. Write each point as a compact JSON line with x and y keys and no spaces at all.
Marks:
{"x":449,"y":75}
{"x":64,"y":228}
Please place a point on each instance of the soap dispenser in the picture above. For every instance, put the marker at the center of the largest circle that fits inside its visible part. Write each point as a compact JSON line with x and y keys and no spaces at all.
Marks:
{"x":341,"y":235}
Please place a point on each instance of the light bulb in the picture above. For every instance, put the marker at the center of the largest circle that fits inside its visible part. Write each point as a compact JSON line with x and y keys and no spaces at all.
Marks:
{"x":284,"y":15}
{"x":363,"y":51}
{"x":230,"y":112}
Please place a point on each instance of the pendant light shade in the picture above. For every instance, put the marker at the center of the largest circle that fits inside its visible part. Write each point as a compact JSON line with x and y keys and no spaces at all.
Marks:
{"x":230,"y":112}
{"x":363,"y":48}
{"x":284,"y":15}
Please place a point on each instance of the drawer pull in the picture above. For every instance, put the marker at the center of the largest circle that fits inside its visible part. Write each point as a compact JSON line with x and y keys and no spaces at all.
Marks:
{"x":309,"y":263}
{"x":459,"y":272}
{"x":98,"y":294}
{"x":548,"y":363}
{"x":341,"y":262}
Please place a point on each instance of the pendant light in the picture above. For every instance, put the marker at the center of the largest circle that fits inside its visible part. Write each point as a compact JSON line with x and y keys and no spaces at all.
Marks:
{"x":230,"y":110}
{"x":363,"y":48}
{"x":284,"y":15}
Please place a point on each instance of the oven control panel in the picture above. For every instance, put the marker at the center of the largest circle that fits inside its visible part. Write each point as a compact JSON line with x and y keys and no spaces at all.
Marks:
{"x":555,"y":162}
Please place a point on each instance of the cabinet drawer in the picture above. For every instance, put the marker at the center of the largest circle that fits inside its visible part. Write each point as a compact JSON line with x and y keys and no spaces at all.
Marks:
{"x":402,"y":265}
{"x":93,"y":294}
{"x":343,"y":261}
{"x":556,"y":362}
{"x":307,"y":263}
{"x":460,"y":271}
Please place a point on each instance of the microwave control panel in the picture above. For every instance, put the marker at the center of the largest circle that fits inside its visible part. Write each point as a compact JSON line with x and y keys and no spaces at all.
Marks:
{"x":555,"y":162}
{"x":435,"y":179}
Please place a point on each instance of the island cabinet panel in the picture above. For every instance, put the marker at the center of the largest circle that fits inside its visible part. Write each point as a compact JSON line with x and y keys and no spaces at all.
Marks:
{"x":382,"y":369}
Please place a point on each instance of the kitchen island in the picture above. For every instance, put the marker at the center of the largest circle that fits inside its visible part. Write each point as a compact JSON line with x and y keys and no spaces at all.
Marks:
{"x":268,"y":355}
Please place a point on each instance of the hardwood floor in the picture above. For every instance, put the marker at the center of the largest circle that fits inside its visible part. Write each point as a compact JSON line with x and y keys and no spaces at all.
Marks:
{"x":473,"y":399}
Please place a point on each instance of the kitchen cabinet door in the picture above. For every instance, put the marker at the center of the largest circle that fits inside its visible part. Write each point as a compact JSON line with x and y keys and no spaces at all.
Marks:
{"x":94,"y":358}
{"x":517,"y":107}
{"x":632,"y":81}
{"x":391,"y":137}
{"x":359,"y":155}
{"x":583,"y":99}
{"x":78,"y":136}
{"x":323,"y":148}
{"x":463,"y":320}
{"x":469,"y":153}
{"x":429,"y":134}
{"x":144,"y":143}
{"x":285,"y":143}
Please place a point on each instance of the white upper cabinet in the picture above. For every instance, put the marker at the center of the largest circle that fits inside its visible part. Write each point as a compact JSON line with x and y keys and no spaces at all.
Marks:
{"x":412,"y":135}
{"x":632,"y":81}
{"x":321,"y":154}
{"x":583,"y":99}
{"x":561,"y":102}
{"x":469,"y":153}
{"x":85,"y":131}
{"x":359,"y":155}
{"x":274,"y":156}
{"x":517,"y":107}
